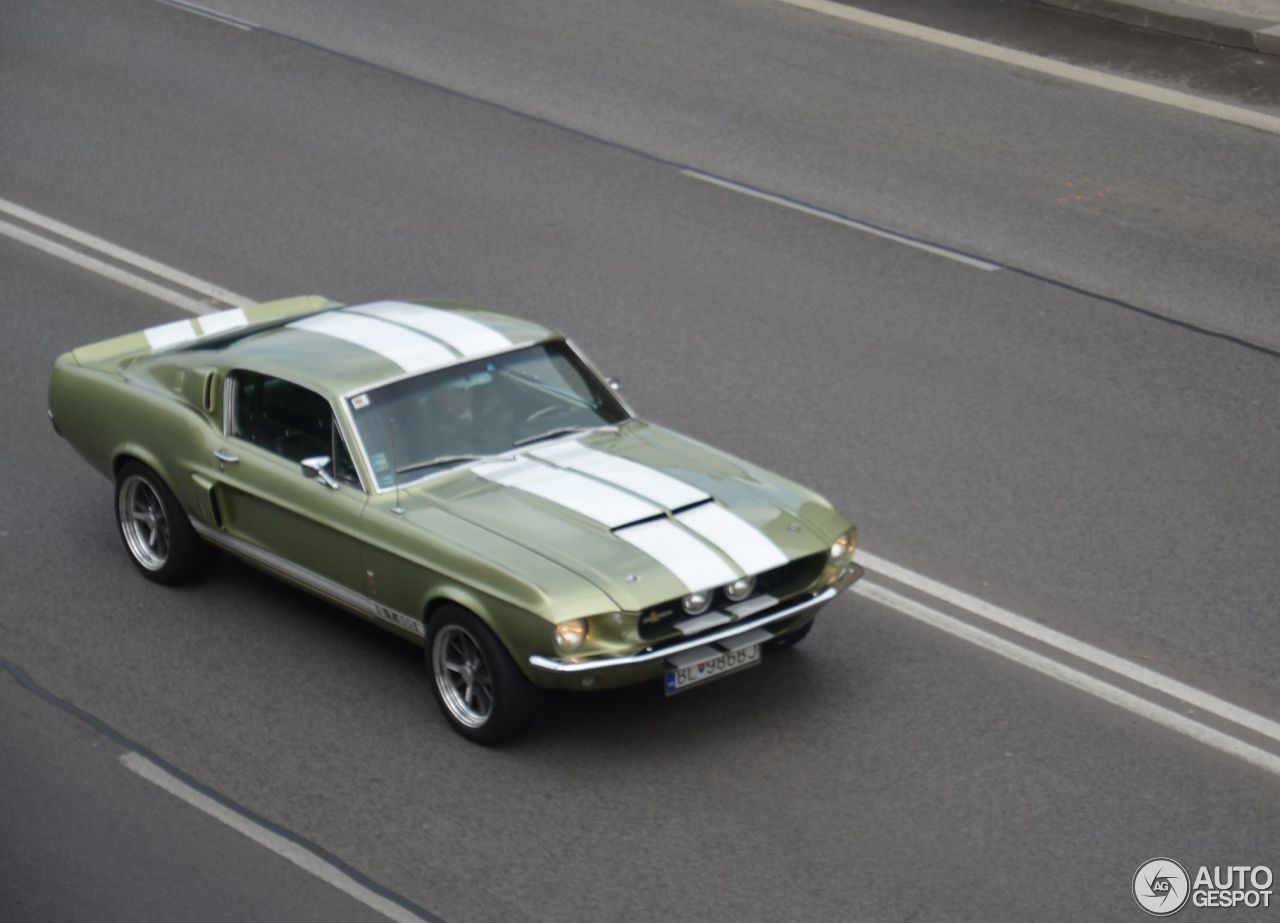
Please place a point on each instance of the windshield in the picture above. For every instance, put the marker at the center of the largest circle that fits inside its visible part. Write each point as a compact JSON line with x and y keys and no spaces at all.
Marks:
{"x":429,"y":423}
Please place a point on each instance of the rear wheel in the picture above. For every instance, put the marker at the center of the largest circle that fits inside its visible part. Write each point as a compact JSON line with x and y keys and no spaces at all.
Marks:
{"x":155,"y":530}
{"x":476,"y":684}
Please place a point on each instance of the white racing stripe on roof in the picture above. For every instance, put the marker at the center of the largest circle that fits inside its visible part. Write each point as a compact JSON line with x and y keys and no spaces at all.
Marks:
{"x":693,"y":563}
{"x":606,"y":505}
{"x":639,"y":479}
{"x":166,"y":335}
{"x":747,"y":546}
{"x":391,"y":341}
{"x":469,"y":337}
{"x":222,"y":321}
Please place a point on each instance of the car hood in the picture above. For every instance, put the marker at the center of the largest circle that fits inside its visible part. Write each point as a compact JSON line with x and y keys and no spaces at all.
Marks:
{"x":643,"y":513}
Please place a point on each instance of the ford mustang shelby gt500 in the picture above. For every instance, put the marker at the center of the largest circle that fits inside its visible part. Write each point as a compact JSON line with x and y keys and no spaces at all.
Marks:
{"x":461,"y":478}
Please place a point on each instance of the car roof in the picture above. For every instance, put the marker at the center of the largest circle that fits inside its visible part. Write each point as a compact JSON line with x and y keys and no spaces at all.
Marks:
{"x":345,"y":349}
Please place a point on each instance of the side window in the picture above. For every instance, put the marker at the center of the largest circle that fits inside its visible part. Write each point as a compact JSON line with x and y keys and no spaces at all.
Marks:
{"x":290,"y":421}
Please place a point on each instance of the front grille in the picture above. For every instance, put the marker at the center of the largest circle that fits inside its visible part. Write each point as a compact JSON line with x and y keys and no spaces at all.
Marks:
{"x":781,"y":582}
{"x":791,"y":577}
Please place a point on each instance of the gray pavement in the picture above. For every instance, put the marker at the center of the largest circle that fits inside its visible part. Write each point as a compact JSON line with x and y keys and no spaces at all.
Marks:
{"x":1250,"y":24}
{"x":86,"y":841}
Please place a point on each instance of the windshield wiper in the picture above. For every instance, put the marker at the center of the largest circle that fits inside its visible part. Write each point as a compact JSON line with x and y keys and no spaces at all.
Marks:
{"x":549,"y":389}
{"x":565,"y":430}
{"x":440,"y":460}
{"x":558,"y":431}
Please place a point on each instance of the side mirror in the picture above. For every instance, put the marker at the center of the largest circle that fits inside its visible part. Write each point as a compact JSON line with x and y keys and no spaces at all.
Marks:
{"x":316,"y":468}
{"x":614,"y":384}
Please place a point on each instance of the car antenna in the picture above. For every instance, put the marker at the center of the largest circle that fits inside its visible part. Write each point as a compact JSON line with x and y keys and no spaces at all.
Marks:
{"x":395,"y":469}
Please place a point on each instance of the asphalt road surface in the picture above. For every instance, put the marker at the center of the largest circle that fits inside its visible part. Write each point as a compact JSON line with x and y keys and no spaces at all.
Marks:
{"x":1066,"y":407}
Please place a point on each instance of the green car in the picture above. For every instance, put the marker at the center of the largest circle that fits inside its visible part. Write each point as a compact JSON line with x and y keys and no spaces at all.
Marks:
{"x":461,"y":478}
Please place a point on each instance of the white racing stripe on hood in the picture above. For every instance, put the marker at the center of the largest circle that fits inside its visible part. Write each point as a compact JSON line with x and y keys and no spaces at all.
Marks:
{"x":390,"y":341}
{"x":693,"y":563}
{"x":742,"y":542}
{"x":622,"y":472}
{"x":606,"y":505}
{"x":469,"y":337}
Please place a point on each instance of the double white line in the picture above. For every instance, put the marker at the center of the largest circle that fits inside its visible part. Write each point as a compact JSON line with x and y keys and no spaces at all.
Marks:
{"x":1098,"y":672}
{"x":1163,"y":700}
{"x":108,"y":260}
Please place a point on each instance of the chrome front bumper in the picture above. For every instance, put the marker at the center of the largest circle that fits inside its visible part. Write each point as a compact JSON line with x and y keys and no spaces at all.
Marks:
{"x":649,"y":655}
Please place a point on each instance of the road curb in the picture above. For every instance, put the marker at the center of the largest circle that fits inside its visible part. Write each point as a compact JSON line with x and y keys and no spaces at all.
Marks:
{"x":1189,"y":20}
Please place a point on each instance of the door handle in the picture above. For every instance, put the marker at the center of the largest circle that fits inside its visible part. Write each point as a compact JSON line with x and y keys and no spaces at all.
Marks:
{"x":225,"y":457}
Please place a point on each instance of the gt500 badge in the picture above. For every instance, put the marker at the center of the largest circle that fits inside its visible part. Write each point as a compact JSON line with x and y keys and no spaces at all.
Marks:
{"x":400,"y":620}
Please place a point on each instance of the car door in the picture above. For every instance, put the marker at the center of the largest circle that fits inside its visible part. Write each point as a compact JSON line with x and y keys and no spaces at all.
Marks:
{"x":301,"y":524}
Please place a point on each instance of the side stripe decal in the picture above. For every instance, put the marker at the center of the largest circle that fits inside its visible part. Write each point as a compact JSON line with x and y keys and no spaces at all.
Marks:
{"x":309,"y":578}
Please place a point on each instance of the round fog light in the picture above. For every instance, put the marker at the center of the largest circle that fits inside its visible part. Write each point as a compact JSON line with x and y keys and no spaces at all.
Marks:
{"x":740,"y":589}
{"x":697,"y":603}
{"x":570,"y":635}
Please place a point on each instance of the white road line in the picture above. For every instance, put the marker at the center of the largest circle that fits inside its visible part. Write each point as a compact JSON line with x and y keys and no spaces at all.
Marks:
{"x":840,"y":219}
{"x":300,"y":856}
{"x":1136,"y":88}
{"x":114,"y":273}
{"x":1158,"y":714}
{"x":137,"y":260}
{"x":186,"y":6}
{"x":1079,"y":649}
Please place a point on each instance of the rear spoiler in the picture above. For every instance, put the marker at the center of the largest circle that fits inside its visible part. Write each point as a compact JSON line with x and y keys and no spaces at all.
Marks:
{"x":208,"y":331}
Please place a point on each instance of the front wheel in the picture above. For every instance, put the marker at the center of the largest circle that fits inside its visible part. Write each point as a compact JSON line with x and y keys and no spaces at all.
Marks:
{"x":790,"y":639}
{"x":476,"y":684}
{"x":155,"y":530}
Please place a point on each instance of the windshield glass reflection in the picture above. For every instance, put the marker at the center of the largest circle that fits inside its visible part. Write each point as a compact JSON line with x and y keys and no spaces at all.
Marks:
{"x":432,"y":422}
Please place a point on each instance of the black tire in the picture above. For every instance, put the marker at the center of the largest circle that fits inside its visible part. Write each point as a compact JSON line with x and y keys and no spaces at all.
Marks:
{"x":477,"y":685}
{"x":156,"y":532}
{"x":790,"y":639}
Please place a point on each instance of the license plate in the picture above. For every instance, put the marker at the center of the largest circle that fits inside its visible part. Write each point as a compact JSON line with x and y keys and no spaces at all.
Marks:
{"x":711,"y":667}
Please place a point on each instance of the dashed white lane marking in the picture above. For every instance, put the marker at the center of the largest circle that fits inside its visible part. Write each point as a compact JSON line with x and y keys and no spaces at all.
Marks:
{"x":120,"y":254}
{"x":842,"y":220}
{"x":287,"y":849}
{"x":1073,"y":72}
{"x":972,"y":605}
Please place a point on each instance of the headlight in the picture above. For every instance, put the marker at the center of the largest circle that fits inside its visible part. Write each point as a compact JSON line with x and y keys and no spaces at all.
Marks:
{"x":570,"y":635}
{"x":841,"y":548}
{"x":697,"y":603}
{"x":740,"y":589}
